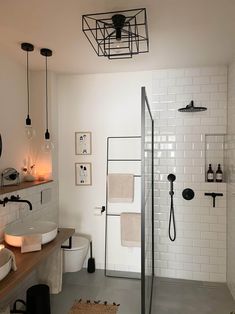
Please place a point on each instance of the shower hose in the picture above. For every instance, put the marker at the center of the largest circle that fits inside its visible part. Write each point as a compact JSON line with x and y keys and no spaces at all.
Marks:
{"x":172,"y":219}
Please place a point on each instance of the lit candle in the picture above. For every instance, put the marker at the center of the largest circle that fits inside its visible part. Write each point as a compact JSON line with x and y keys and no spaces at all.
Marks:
{"x":41,"y":177}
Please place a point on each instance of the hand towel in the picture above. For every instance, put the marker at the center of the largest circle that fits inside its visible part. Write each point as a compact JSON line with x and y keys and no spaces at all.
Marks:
{"x":31,"y":243}
{"x":131,"y":229}
{"x":120,"y":188}
{"x":50,"y":272}
{"x":12,"y":256}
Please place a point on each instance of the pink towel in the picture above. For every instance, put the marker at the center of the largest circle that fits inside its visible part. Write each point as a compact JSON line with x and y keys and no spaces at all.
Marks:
{"x":120,"y":188}
{"x":131,"y":229}
{"x":31,"y":243}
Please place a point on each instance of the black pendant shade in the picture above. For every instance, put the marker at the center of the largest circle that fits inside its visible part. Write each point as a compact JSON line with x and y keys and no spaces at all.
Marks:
{"x":118,"y":23}
{"x":119,"y":34}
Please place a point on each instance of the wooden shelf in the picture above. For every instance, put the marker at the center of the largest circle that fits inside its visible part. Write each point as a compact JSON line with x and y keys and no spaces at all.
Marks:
{"x":27,"y":262}
{"x":21,"y":186}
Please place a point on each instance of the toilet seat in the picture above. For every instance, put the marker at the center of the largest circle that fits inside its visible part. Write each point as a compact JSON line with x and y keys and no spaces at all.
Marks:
{"x":78,"y":243}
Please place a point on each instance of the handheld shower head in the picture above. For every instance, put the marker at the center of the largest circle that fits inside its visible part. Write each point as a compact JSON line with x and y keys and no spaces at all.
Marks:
{"x":171,"y":177}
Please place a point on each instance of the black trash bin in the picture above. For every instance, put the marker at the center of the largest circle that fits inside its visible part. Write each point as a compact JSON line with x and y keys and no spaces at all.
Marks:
{"x":37,"y":301}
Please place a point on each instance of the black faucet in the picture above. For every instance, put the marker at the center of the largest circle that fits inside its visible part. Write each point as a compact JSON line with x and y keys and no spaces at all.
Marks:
{"x":15,"y":199}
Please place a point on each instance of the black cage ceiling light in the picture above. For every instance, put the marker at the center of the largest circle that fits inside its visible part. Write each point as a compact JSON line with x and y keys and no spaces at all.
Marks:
{"x":119,"y":34}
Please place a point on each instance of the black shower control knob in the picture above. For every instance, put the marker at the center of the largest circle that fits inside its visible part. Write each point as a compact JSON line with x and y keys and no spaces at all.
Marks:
{"x":188,"y":194}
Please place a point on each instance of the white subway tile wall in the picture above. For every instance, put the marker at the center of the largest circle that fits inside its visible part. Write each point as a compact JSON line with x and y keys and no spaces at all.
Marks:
{"x":20,"y":211}
{"x":199,"y":252}
{"x":230,"y":173}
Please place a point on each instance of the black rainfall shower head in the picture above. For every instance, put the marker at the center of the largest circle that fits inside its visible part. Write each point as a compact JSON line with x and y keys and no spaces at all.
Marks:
{"x":191,"y":108}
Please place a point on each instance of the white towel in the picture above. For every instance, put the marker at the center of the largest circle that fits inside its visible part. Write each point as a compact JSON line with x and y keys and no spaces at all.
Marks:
{"x":31,"y":243}
{"x":5,"y":310}
{"x":131,"y":229}
{"x":12,"y":256}
{"x":50,"y":272}
{"x":120,"y":188}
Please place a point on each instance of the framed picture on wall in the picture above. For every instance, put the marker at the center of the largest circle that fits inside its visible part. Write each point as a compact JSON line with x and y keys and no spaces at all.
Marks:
{"x":83,"y":143}
{"x":83,"y":174}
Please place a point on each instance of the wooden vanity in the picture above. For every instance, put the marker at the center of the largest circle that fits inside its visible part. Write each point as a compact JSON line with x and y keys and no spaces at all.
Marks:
{"x":28,"y":262}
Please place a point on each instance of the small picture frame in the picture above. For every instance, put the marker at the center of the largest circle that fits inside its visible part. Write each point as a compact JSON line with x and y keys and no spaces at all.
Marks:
{"x":83,"y":174}
{"x":83,"y":143}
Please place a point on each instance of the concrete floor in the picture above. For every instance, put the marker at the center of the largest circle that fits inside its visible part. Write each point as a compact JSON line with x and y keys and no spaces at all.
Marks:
{"x":170,"y":296}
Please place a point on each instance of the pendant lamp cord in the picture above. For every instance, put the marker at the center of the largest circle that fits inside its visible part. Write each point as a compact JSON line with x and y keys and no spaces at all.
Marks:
{"x":46,"y":99}
{"x":27,"y":61}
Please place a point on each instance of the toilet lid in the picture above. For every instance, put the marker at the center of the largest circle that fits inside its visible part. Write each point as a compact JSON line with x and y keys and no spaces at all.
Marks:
{"x":78,"y":243}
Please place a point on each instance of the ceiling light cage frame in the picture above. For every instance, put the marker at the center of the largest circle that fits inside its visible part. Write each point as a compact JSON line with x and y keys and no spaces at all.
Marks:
{"x":117,"y":34}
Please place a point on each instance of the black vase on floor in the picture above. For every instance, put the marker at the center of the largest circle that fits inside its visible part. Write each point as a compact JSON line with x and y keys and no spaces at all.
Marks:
{"x":37,"y":301}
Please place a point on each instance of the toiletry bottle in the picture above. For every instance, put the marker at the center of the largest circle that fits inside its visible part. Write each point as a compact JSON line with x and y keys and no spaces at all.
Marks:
{"x":219,"y":174}
{"x":210,"y":174}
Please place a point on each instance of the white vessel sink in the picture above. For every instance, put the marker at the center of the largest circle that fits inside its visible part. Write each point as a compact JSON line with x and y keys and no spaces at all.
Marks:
{"x":14,"y":232}
{"x":5,"y":263}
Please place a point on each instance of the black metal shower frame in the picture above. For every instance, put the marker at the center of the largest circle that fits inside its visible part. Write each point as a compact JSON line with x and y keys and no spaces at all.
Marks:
{"x":144,"y":104}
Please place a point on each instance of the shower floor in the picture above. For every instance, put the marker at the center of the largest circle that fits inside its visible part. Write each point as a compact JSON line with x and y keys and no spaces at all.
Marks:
{"x":170,"y":296}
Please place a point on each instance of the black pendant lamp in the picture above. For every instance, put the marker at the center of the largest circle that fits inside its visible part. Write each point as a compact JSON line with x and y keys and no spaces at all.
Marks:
{"x":28,"y":126}
{"x":48,"y":145}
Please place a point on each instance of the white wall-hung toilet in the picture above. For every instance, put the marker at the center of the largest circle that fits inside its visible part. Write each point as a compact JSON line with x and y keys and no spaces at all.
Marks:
{"x":74,"y":258}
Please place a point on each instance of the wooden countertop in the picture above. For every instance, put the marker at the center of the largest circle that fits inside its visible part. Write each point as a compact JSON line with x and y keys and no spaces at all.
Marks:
{"x":21,"y":186}
{"x":27,"y":262}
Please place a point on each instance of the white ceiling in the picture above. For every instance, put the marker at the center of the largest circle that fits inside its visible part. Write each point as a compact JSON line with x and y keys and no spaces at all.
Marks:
{"x":182,"y":33}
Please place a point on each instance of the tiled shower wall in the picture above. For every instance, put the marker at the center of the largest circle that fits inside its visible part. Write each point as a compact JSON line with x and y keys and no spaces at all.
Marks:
{"x":230,"y":163}
{"x":199,"y":251}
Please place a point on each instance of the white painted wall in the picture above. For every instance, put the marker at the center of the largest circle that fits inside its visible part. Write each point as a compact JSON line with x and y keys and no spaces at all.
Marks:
{"x":106,"y":105}
{"x":16,"y":148}
{"x":13,"y":113}
{"x":230,"y":163}
{"x":46,"y":163}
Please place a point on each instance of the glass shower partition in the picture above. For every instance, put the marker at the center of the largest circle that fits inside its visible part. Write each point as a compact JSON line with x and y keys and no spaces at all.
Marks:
{"x":147,"y":204}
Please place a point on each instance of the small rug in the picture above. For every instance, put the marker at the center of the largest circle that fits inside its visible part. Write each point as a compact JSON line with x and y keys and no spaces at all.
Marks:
{"x":88,"y":307}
